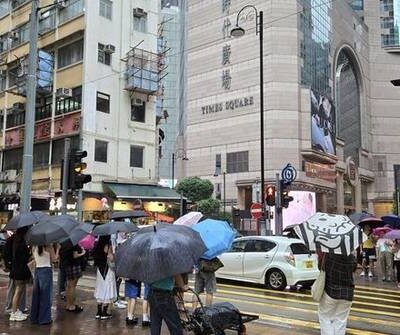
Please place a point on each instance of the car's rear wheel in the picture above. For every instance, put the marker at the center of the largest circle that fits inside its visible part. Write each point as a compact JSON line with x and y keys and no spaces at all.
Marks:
{"x":275,"y":279}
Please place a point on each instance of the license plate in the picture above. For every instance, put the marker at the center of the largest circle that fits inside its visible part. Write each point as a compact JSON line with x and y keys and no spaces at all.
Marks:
{"x":309,"y":264}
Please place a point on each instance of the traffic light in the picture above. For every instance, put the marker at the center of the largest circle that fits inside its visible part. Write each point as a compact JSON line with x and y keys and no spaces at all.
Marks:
{"x":270,"y":195}
{"x":76,"y":179}
{"x":285,"y":197}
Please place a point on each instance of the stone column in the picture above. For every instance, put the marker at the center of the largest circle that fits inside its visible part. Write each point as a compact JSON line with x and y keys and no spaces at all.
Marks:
{"x":358,"y":196}
{"x":324,"y":202}
{"x":339,"y":193}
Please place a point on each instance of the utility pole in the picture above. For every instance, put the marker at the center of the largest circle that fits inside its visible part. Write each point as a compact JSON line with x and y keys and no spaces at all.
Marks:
{"x":65,"y":174}
{"x":27,"y":162}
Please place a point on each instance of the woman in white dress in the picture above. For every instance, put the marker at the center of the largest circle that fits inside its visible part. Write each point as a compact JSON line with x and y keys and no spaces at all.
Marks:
{"x":106,"y":290}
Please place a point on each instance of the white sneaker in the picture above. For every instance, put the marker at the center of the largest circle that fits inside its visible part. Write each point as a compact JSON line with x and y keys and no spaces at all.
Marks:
{"x":119,"y":305}
{"x":362,"y":274}
{"x":18,"y":316}
{"x":124,"y":302}
{"x":370,"y":274}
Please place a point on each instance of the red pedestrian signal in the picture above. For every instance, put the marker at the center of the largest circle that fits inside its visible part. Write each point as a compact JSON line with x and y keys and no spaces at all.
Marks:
{"x":270,"y":195}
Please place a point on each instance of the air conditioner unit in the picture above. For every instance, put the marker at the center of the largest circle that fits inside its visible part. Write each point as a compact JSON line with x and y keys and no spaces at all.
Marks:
{"x":18,"y":107}
{"x":63,"y":92}
{"x":10,"y":175}
{"x":60,"y":4}
{"x":109,"y":49}
{"x":137,"y":102}
{"x":14,"y":35}
{"x":139,"y":12}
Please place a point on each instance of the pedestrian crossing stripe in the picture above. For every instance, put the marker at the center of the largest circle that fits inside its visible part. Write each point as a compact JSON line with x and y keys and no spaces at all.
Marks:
{"x":355,"y":309}
{"x":310,"y":324}
{"x":314,"y":311}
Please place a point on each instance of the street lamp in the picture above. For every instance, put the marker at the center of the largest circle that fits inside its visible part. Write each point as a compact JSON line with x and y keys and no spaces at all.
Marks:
{"x":224,"y":187}
{"x":179,"y":154}
{"x":238,"y":31}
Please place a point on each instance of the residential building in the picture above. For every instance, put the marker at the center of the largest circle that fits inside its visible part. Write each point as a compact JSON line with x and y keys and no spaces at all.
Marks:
{"x":97,"y":85}
{"x":329,"y":104}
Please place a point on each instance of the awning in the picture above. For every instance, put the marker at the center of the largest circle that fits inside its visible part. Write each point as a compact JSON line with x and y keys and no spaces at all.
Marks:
{"x":141,"y":191}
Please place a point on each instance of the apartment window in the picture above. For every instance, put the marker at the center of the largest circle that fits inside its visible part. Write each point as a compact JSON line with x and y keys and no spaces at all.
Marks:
{"x":106,"y":9}
{"x":12,"y":159}
{"x":3,"y":80}
{"x":41,"y":154}
{"x":13,"y":76}
{"x":58,"y":149}
{"x":103,"y":57}
{"x":73,"y":9}
{"x":4,"y":7}
{"x":15,"y":118}
{"x":218,"y":164}
{"x":237,"y":162}
{"x":138,"y":111}
{"x":139,"y":20}
{"x":70,"y":54}
{"x":100,"y":151}
{"x":136,"y":156}
{"x":102,"y":102}
{"x":19,"y":35}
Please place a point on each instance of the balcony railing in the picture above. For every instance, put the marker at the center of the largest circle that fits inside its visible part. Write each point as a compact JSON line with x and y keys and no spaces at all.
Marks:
{"x":17,"y":3}
{"x":142,"y":73}
{"x":74,"y":8}
{"x":68,"y":105}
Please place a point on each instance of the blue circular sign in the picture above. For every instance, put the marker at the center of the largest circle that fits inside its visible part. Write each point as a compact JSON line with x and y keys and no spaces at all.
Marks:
{"x":289,"y":173}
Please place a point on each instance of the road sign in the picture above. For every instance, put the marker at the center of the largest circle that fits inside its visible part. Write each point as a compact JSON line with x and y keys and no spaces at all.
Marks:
{"x":288,"y":173}
{"x":256,"y":210}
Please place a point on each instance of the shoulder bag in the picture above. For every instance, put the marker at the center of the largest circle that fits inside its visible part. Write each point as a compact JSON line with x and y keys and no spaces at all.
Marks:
{"x":317,"y":289}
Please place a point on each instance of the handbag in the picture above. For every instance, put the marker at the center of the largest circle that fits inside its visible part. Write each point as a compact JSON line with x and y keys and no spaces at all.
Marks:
{"x":317,"y":289}
{"x":212,"y":265}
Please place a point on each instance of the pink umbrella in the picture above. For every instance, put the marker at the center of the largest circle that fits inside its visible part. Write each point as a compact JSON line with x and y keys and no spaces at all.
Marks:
{"x":189,"y":219}
{"x":87,"y":242}
{"x":381,"y":231}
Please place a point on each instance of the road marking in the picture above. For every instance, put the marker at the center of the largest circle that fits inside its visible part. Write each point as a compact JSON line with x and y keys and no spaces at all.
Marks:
{"x":355,"y":309}
{"x":314,"y":311}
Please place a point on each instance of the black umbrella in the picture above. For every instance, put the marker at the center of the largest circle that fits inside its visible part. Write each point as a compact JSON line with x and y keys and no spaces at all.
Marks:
{"x":372,"y":221}
{"x":158,"y":252}
{"x":114,"y":227}
{"x":25,"y":220}
{"x":54,"y":229}
{"x":128,"y":214}
{"x":77,"y":234}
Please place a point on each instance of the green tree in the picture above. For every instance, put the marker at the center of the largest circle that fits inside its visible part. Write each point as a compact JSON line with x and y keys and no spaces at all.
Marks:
{"x":195,"y":188}
{"x":209,"y":207}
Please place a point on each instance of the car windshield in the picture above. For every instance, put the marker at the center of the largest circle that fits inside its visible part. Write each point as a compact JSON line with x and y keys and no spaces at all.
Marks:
{"x":299,"y":249}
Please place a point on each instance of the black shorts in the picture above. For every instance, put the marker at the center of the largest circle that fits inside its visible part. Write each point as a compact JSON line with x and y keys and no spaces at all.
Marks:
{"x":368,"y":254}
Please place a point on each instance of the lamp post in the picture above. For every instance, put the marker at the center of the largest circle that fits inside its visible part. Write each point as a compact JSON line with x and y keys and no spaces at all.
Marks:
{"x":238,"y":31}
{"x":179,"y":154}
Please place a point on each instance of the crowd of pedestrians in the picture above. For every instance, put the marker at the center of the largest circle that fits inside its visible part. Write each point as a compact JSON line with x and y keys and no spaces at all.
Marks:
{"x":385,"y":252}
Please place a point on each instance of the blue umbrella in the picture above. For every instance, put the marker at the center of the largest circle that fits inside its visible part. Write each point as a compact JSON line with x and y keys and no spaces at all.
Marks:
{"x":392,"y":220}
{"x":216,"y":235}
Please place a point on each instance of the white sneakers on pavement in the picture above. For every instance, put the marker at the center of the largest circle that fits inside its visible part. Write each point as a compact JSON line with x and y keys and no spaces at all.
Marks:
{"x":119,"y":304}
{"x":370,"y":274}
{"x":362,"y":274}
{"x":18,"y":316}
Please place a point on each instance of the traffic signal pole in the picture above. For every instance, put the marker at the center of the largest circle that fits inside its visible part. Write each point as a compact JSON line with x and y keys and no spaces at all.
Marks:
{"x":65,"y":171}
{"x":278,"y":207}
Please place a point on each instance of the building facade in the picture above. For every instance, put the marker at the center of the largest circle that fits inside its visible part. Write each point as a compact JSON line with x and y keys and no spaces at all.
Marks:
{"x":328,"y":101}
{"x":98,"y":80}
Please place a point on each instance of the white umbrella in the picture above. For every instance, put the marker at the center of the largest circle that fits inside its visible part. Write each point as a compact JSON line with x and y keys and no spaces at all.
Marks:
{"x":189,"y":219}
{"x":330,"y":233}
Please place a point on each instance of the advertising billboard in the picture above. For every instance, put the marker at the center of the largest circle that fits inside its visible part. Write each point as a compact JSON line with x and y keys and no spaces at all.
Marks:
{"x":300,"y":209}
{"x":323,"y":124}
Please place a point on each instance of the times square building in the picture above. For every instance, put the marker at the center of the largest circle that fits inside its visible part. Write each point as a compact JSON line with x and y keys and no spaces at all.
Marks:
{"x":330,"y":108}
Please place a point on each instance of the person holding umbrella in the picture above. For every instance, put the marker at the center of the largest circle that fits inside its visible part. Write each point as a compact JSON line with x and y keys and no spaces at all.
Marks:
{"x":42,"y":292}
{"x":19,"y":272}
{"x":368,"y":253}
{"x":106,"y":290}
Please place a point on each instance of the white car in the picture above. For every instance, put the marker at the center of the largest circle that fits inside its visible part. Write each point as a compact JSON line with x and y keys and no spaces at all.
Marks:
{"x":276,"y":261}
